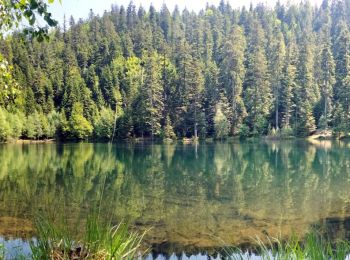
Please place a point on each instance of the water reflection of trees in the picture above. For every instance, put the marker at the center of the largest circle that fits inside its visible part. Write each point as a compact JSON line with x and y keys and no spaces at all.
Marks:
{"x":190,"y":196}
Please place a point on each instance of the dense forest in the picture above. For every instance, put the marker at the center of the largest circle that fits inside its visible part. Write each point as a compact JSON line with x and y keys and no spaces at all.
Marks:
{"x":154,"y":73}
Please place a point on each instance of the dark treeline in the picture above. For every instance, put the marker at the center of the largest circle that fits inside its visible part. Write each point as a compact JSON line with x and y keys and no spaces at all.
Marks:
{"x":149,"y":73}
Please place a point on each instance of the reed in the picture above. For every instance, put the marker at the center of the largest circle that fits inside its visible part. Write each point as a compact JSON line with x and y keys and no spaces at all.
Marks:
{"x":100,"y":241}
{"x":313,"y":247}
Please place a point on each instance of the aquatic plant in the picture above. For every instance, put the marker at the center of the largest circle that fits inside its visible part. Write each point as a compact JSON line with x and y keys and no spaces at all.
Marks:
{"x":99,"y":241}
{"x":2,"y":251}
{"x":313,"y":246}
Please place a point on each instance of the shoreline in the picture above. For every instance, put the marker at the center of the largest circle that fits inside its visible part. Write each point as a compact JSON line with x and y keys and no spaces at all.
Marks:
{"x":318,"y":136}
{"x":28,"y":141}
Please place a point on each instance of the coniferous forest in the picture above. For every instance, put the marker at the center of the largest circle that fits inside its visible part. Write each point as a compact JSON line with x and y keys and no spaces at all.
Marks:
{"x":136,"y":72}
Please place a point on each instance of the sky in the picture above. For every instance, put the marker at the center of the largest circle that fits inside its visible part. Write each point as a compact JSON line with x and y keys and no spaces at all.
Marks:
{"x":80,"y":8}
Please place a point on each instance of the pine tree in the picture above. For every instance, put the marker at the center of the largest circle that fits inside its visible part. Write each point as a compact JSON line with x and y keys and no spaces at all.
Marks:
{"x":257,"y":91}
{"x":277,"y":56}
{"x":289,"y":86}
{"x":168,"y":132}
{"x":233,"y":75}
{"x":327,"y":80}
{"x":304,"y":92}
{"x":195,"y":85}
{"x":150,"y":103}
{"x":342,"y":59}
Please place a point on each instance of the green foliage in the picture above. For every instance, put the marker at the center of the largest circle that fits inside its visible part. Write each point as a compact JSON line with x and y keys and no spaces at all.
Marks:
{"x":53,"y":119}
{"x":99,"y":242}
{"x":244,"y":131}
{"x":168,"y":132}
{"x":306,"y":92}
{"x":260,"y":126}
{"x":306,"y":123}
{"x":145,"y":66}
{"x":313,"y":246}
{"x":222,"y":126}
{"x":288,"y":86}
{"x":63,"y":127}
{"x":340,"y":121}
{"x":80,"y":127}
{"x":16,"y":122}
{"x":13,"y":12}
{"x":30,"y":130}
{"x":234,"y":72}
{"x":322,"y":122}
{"x":5,"y":129}
{"x":150,"y":102}
{"x":286,"y":132}
{"x":9,"y":88}
{"x":36,"y":126}
{"x":104,"y":126}
{"x":257,"y":93}
{"x":2,"y":251}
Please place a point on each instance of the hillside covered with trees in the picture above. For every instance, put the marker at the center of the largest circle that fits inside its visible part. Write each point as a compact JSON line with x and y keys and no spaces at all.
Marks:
{"x":154,"y":73}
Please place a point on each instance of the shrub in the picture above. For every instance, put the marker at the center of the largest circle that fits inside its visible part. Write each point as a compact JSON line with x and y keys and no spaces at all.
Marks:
{"x":80,"y":127}
{"x":244,"y":131}
{"x":287,"y":132}
{"x":221,"y":124}
{"x":104,"y":124}
{"x":5,"y":129}
{"x":16,"y":123}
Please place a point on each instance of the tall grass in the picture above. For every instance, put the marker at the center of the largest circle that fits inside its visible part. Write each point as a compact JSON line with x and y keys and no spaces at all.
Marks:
{"x":2,"y":251}
{"x":313,"y":247}
{"x":99,"y":241}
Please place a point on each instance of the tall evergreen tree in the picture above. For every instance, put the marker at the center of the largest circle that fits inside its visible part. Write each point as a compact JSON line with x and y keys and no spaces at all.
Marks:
{"x":233,"y":73}
{"x":304,"y":92}
{"x":277,"y":56}
{"x":257,"y":90}
{"x":150,"y":102}
{"x":327,"y":81}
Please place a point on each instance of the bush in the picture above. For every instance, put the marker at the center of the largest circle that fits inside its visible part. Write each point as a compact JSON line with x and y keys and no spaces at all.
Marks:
{"x":260,"y":126}
{"x":244,"y":131}
{"x":17,"y":126}
{"x":287,"y":132}
{"x":322,"y":123}
{"x":80,"y":127}
{"x":5,"y":129}
{"x":34,"y":126}
{"x":53,"y":124}
{"x":104,"y":124}
{"x":221,"y":124}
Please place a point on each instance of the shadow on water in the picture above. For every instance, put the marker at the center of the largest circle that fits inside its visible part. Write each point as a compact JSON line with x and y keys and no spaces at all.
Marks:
{"x":193,"y":197}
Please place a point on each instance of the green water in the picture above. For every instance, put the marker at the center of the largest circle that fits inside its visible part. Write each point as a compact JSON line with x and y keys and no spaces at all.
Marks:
{"x":193,"y":197}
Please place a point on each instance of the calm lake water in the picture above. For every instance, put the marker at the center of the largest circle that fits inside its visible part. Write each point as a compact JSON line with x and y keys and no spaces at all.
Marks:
{"x":195,"y":198}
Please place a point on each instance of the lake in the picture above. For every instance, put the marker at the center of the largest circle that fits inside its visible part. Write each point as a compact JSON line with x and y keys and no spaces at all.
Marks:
{"x":192,"y":199}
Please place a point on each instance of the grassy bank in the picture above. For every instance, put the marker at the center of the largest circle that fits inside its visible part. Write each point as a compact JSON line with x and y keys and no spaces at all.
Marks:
{"x":116,"y":242}
{"x":313,"y":246}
